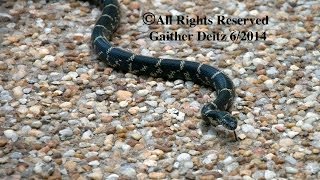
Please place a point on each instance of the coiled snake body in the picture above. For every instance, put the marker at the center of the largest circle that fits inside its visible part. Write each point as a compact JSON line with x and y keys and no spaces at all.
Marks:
{"x":214,"y":113}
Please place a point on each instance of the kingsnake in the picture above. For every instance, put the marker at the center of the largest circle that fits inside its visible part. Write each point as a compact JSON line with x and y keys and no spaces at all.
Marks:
{"x":214,"y":113}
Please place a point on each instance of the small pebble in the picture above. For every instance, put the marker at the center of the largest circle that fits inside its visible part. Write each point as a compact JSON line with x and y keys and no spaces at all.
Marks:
{"x":66,"y":132}
{"x":184,"y":157}
{"x":291,"y":170}
{"x":123,"y":95}
{"x":11,"y":134}
{"x":128,"y":171}
{"x":143,"y":92}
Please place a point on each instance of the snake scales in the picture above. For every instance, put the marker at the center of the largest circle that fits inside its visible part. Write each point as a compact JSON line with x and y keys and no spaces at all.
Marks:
{"x":214,"y":113}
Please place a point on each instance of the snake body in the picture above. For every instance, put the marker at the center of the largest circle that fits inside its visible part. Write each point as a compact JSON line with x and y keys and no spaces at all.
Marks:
{"x":214,"y":113}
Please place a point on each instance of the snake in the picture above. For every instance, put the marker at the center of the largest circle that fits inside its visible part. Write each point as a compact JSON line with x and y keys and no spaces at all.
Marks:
{"x":213,"y":113}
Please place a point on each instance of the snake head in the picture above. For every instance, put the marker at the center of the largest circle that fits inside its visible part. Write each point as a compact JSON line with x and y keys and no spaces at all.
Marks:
{"x":226,"y":120}
{"x":217,"y":117}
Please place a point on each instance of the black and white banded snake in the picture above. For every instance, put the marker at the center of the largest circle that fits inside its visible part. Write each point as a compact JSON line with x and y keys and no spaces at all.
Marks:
{"x":214,"y":113}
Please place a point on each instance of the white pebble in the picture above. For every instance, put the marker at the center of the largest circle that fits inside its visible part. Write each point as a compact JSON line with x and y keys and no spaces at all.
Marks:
{"x":228,"y":160}
{"x":47,"y":159}
{"x":152,"y":103}
{"x":128,"y":171}
{"x":48,"y":58}
{"x":112,"y":177}
{"x":307,"y":127}
{"x":87,"y":135}
{"x":150,"y":162}
{"x":291,"y":170}
{"x":65,"y":105}
{"x":184,"y":157}
{"x":292,"y":134}
{"x":17,"y":92}
{"x":123,"y":104}
{"x":313,"y":167}
{"x":294,"y":67}
{"x":160,"y":87}
{"x":143,"y":92}
{"x":180,"y":116}
{"x":136,"y":136}
{"x":69,"y":153}
{"x":66,"y":132}
{"x":73,"y":75}
{"x":209,"y":158}
{"x":269,"y":174}
{"x":175,"y":12}
{"x":11,"y":134}
{"x":257,"y":61}
{"x":179,"y":86}
{"x":247,"y":58}
{"x":269,"y":83}
{"x":281,"y":41}
{"x":100,"y":92}
{"x":94,"y":163}
{"x":232,"y":47}
{"x":143,"y":109}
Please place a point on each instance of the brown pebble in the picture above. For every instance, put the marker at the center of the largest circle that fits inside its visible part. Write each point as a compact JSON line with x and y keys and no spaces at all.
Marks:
{"x":58,"y":161}
{"x":22,"y":166}
{"x":201,"y":148}
{"x":298,"y":155}
{"x":132,"y":142}
{"x":106,"y":118}
{"x":157,"y":175}
{"x":3,"y":141}
{"x":163,"y":147}
{"x":207,"y":177}
{"x":139,"y":147}
{"x":59,"y":61}
{"x":56,"y":175}
{"x":122,"y":135}
{"x":92,"y":158}
{"x":315,"y":151}
{"x":53,"y":143}
{"x":3,"y":65}
{"x":110,"y":130}
{"x":209,"y":166}
{"x":45,"y":149}
{"x":56,"y":155}
{"x":245,"y":172}
{"x":134,"y":5}
{"x":79,"y":155}
{"x":262,"y":166}
{"x":123,"y":95}
{"x":278,"y":160}
{"x":87,"y":168}
{"x":71,"y":166}
{"x":192,"y":126}
{"x":211,"y":175}
{"x":9,"y":171}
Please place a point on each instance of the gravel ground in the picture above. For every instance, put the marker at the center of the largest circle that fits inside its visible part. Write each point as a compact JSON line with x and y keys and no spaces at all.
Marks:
{"x":63,"y":114}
